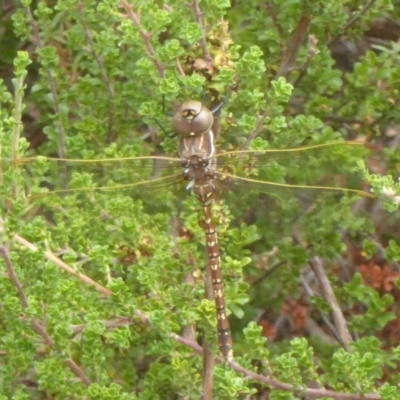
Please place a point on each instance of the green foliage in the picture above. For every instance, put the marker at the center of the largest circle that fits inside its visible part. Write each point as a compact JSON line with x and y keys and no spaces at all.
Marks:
{"x":102,"y":289}
{"x":376,"y":316}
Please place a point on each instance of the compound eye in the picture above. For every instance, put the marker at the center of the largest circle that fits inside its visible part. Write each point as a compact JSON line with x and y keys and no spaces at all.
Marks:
{"x":193,"y":119}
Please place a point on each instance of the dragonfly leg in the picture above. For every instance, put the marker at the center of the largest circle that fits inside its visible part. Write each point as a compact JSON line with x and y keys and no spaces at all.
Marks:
{"x":164,"y":108}
{"x":169,"y":134}
{"x":223,"y":102}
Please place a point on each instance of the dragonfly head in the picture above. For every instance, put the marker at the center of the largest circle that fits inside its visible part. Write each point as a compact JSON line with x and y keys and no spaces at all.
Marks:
{"x":192,"y":119}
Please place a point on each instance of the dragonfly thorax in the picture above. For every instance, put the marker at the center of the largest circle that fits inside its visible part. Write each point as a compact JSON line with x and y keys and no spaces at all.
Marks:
{"x":192,"y":119}
{"x":201,"y":176}
{"x":196,"y":167}
{"x":200,"y":146}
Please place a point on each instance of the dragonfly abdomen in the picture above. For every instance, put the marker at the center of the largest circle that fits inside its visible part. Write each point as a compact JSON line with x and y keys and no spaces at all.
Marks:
{"x":214,"y":260}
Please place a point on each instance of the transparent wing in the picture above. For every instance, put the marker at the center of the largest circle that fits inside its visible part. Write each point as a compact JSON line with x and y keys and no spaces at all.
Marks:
{"x":44,"y":176}
{"x":318,"y":152}
{"x":327,"y":168}
{"x":322,"y":168}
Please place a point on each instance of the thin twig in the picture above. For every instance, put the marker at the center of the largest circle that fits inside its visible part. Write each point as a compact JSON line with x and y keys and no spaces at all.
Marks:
{"x":188,"y":343}
{"x":312,"y":52}
{"x":145,"y":36}
{"x":17,"y":123}
{"x":352,"y":22}
{"x":111,"y":324}
{"x":51,"y":257}
{"x":41,"y":331}
{"x":314,"y":329}
{"x":200,"y":20}
{"x":179,"y":68}
{"x":108,"y":84}
{"x":78,"y":371}
{"x":208,"y":357}
{"x":189,"y":331}
{"x":324,"y":317}
{"x":281,"y":31}
{"x":267,"y":273}
{"x":256,"y":131}
{"x":329,"y":295}
{"x":13,"y":277}
{"x":293,"y":48}
{"x":52,"y":84}
{"x":309,"y":392}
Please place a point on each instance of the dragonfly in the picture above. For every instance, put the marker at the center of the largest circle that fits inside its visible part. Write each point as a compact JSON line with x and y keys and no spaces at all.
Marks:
{"x":205,"y":173}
